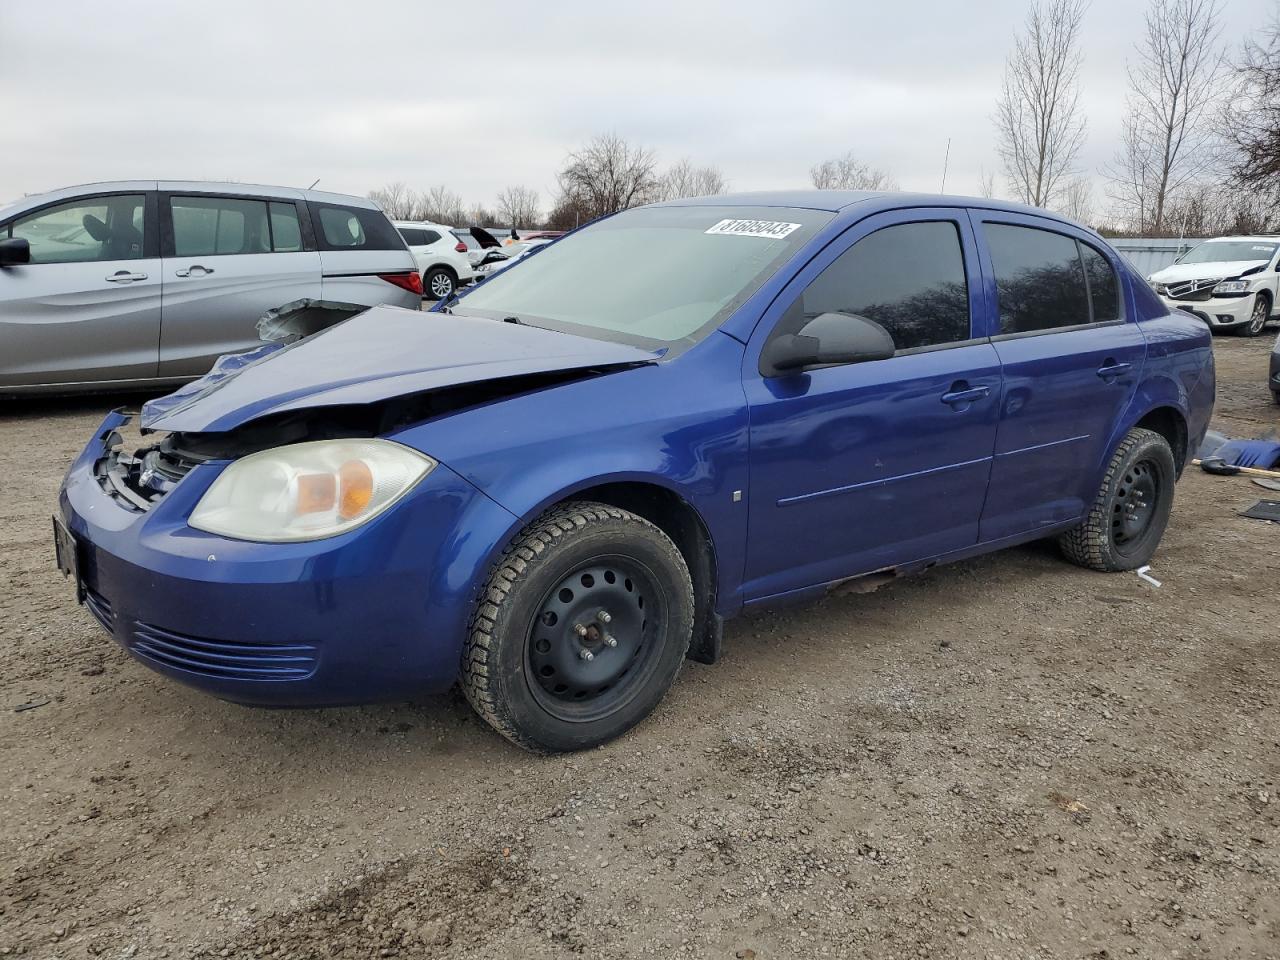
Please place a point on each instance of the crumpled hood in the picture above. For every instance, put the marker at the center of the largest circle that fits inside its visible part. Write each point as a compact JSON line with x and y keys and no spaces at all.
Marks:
{"x":380,"y":354}
{"x":1179,"y":272}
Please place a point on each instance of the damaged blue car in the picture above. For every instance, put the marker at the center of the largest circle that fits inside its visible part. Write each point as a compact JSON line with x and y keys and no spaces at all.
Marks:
{"x":557,"y":487}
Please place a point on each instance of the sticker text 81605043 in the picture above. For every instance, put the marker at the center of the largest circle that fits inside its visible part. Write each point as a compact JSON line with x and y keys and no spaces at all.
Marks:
{"x":769,"y":229}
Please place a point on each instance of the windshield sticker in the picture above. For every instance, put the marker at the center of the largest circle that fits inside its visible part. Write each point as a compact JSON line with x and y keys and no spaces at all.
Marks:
{"x":768,"y":229}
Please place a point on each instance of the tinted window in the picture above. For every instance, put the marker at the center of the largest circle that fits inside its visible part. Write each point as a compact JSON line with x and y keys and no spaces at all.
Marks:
{"x":907,"y":278}
{"x":286,"y":235}
{"x":1038,"y":278}
{"x":1104,"y":289}
{"x":216,"y":226}
{"x":430,"y":237}
{"x":104,"y":228}
{"x":414,"y":236}
{"x":354,"y":228}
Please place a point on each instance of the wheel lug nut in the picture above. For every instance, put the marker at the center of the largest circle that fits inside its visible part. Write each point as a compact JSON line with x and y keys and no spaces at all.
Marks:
{"x":586,"y":654}
{"x":604,"y":616}
{"x":579,"y":629}
{"x":610,"y":641}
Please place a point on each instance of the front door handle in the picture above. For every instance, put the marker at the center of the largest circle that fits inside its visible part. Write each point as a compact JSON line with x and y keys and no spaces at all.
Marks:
{"x":961,"y":394}
{"x":124,"y":276}
{"x":187,"y":271}
{"x":1110,"y":369}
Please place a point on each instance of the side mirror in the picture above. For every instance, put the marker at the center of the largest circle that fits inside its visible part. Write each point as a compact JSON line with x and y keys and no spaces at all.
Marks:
{"x":14,"y":251}
{"x":827,"y":339}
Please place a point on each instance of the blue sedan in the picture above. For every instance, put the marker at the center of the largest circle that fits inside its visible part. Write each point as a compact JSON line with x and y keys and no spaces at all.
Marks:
{"x":557,"y":487}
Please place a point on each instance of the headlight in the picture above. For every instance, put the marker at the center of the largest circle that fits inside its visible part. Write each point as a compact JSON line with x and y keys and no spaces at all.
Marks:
{"x":1232,"y":286}
{"x":307,"y":491}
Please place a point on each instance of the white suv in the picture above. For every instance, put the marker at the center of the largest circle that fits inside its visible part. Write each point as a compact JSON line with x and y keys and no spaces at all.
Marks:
{"x":1230,"y":283}
{"x":442,"y":257}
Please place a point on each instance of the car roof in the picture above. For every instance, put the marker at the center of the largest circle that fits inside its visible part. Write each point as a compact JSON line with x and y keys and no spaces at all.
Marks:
{"x":194,"y":186}
{"x":837,"y":201}
{"x":1247,"y":238}
{"x":422,"y":223}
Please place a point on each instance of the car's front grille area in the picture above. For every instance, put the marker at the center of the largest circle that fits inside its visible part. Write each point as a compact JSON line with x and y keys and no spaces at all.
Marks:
{"x":1191,"y":290}
{"x":100,"y":607}
{"x":221,"y":659}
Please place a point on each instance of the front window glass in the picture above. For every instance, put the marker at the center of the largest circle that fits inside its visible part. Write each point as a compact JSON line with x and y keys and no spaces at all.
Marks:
{"x":1225,"y":251}
{"x":908,"y":278}
{"x":650,"y":276}
{"x":104,"y":228}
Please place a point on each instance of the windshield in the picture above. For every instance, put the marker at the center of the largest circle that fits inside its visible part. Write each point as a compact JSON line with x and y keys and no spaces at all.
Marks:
{"x":1224,"y":251}
{"x":652,"y":276}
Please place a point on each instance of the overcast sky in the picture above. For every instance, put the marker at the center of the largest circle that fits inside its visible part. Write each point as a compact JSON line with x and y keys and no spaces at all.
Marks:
{"x":481,"y":95}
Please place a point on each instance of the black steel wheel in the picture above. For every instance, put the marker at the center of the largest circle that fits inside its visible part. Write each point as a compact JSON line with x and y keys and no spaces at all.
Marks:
{"x":581,"y":629}
{"x":1127,"y":518}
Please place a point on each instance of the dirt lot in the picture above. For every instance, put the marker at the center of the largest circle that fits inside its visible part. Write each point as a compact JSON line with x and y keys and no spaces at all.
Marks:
{"x":1007,"y":758}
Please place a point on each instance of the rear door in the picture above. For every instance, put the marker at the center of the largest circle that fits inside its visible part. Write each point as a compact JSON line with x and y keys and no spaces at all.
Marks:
{"x":363,"y":258}
{"x":87,"y":307}
{"x":227,"y":261}
{"x":1071,"y":360}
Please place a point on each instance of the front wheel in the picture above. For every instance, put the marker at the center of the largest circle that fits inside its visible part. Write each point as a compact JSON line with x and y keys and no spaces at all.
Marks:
{"x":581,"y":629}
{"x":1259,"y":317}
{"x":1131,"y":510}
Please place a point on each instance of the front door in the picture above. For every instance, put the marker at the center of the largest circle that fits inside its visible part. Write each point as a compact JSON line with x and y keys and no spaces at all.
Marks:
{"x":227,"y":261}
{"x":1071,"y":364}
{"x":863,"y":466}
{"x":86,"y":309}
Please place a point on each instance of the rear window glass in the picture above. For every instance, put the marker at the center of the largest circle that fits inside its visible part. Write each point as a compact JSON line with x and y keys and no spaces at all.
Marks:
{"x":414,"y":236}
{"x":354,"y":228}
{"x":1039,"y":279}
{"x":1104,"y":289}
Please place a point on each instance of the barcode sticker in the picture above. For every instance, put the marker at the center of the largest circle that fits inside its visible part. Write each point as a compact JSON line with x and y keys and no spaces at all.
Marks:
{"x":768,"y":229}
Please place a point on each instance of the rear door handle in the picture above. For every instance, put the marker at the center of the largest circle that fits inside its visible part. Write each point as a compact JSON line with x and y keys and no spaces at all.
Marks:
{"x":124,"y":276}
{"x":1110,"y":369}
{"x":961,"y":393}
{"x":186,"y":271}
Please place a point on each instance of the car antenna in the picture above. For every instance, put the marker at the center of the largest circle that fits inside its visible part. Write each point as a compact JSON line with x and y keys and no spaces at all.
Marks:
{"x":313,"y":183}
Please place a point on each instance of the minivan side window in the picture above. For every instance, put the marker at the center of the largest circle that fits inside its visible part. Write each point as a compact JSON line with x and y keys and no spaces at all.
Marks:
{"x":83,"y":231}
{"x":286,"y":234}
{"x":216,"y":226}
{"x":353,"y":228}
{"x":1040,"y":281}
{"x":909,"y":278}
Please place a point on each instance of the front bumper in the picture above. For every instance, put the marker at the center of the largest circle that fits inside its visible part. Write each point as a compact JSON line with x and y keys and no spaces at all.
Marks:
{"x":1220,"y":313}
{"x":378,"y":613}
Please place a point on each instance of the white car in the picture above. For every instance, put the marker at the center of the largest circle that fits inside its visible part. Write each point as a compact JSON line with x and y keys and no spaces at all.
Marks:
{"x":1231,"y":283}
{"x":442,"y":257}
{"x":511,"y":254}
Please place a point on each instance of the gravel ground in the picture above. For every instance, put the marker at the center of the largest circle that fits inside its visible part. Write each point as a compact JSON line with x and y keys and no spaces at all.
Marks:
{"x":1005,"y":758}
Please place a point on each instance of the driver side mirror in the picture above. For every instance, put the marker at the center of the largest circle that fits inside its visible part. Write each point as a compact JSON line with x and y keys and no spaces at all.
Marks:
{"x":829,"y":338}
{"x":14,"y":251}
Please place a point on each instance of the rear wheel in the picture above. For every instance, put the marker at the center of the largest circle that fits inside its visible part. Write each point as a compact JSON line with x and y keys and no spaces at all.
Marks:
{"x":1131,"y":510}
{"x":439,"y":283}
{"x":581,"y":630}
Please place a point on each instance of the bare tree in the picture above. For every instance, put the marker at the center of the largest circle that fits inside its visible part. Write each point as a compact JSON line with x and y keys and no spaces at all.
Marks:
{"x":847,"y":172}
{"x":1077,"y":200}
{"x":1175,"y":86}
{"x":686,"y":180}
{"x":1251,"y":118}
{"x":986,"y":183}
{"x":606,"y":175}
{"x":518,"y":206}
{"x":1038,"y":120}
{"x":396,"y":200}
{"x":441,"y":205}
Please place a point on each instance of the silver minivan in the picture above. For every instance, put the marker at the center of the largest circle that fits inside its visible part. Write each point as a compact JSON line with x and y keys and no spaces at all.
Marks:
{"x":141,"y":283}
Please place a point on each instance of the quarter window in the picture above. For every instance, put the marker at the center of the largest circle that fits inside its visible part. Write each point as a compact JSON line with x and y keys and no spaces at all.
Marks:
{"x":354,"y":228}
{"x":286,"y":234}
{"x":909,"y":278}
{"x":1039,"y":279}
{"x":1104,"y":289}
{"x":214,"y":226}
{"x":82,"y":231}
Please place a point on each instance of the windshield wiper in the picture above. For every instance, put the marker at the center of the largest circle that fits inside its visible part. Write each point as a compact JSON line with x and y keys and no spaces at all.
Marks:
{"x":514,"y":319}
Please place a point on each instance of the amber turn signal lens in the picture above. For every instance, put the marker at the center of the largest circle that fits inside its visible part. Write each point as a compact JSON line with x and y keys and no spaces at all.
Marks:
{"x":356,"y":482}
{"x":316,"y":492}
